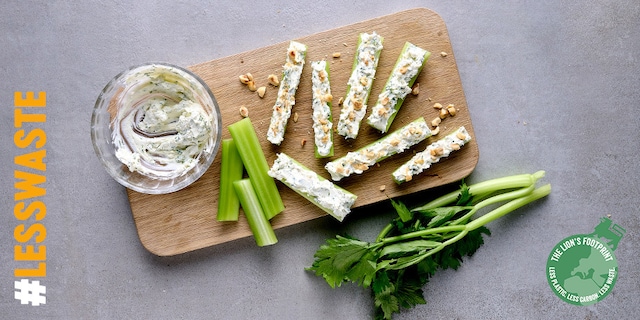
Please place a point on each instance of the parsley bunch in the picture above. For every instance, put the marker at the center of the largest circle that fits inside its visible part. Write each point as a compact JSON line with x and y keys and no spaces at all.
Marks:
{"x":420,"y":241}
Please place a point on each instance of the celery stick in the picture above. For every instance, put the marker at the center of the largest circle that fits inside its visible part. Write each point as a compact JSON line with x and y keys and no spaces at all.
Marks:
{"x":321,"y":105}
{"x":321,"y":192}
{"x":260,"y":227}
{"x":354,"y":106}
{"x":231,"y":170}
{"x":360,"y":160}
{"x":432,"y":154}
{"x":256,"y":165}
{"x":292,"y":70}
{"x":405,"y":72}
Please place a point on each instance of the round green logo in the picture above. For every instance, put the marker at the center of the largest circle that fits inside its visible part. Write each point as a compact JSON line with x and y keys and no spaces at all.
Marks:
{"x":582,"y":270}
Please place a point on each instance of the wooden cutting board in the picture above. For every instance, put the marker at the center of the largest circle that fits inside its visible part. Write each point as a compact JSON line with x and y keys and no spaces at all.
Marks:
{"x":182,"y":221}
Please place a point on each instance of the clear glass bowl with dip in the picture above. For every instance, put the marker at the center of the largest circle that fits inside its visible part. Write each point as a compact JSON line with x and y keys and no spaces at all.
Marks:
{"x":156,"y":128}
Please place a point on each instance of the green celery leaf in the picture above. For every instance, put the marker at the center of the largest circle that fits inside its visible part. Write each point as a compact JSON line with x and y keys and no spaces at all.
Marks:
{"x":363,"y":271}
{"x":465,"y":197}
{"x":402,"y":248}
{"x":441,"y":215}
{"x":402,"y":210}
{"x":385,"y":303}
{"x":409,"y":292}
{"x":340,"y":259}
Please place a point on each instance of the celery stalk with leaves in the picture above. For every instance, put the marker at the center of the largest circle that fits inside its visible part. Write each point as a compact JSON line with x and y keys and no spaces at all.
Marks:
{"x":423,"y":240}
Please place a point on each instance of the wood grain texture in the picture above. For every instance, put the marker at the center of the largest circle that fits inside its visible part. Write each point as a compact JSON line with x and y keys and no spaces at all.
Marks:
{"x":186,"y":220}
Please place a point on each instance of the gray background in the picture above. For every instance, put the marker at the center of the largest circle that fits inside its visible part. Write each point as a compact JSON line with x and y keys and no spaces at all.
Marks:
{"x":549,"y":86}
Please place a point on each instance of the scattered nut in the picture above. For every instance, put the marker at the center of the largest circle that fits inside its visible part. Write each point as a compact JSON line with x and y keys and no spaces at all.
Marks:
{"x":443,"y":54}
{"x":303,"y":142}
{"x":244,"y":79}
{"x":382,"y":187}
{"x":247,"y":79}
{"x":436,"y":121}
{"x":461,"y":136}
{"x":340,"y":101}
{"x":435,"y":131}
{"x":244,"y":112}
{"x":336,"y":55}
{"x":273,"y":80}
{"x":416,"y":89}
{"x":437,"y":106}
{"x":295,"y":117}
{"x":451,"y":109}
{"x":443,"y":113}
{"x":261,"y":91}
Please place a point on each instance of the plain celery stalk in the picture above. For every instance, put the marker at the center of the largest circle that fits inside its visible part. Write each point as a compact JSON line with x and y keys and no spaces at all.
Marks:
{"x":231,"y":170}
{"x":260,"y":226}
{"x":255,"y":163}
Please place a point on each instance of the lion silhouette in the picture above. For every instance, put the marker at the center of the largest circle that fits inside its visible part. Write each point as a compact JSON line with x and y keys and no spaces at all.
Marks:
{"x":612,"y":234}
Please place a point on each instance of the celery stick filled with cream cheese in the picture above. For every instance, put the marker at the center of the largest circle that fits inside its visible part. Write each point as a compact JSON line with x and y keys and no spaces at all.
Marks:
{"x":359,"y":84}
{"x":292,"y":71}
{"x":404,"y":74}
{"x":321,"y":192}
{"x":360,"y":160}
{"x":321,"y":107}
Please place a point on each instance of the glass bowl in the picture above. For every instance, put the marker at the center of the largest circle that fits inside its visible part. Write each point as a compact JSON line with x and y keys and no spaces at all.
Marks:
{"x":139,"y":116}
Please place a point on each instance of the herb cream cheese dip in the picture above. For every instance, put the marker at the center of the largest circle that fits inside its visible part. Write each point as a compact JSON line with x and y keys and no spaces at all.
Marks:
{"x":161,"y":128}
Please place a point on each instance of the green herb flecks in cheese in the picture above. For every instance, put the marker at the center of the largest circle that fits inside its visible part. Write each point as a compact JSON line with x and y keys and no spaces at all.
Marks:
{"x":405,"y":72}
{"x":432,"y":154}
{"x":395,"y":142}
{"x":292,"y":70}
{"x":323,"y":193}
{"x":359,"y":85}
{"x":321,"y":104}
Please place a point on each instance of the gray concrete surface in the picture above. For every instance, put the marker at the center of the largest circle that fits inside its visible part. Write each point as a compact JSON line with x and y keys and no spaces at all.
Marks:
{"x":551,"y":85}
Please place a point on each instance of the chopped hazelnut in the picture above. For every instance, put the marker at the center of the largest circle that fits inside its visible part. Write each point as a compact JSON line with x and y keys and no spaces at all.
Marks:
{"x":336,"y":54}
{"x":261,"y":91}
{"x":244,"y":112}
{"x":244,"y":79}
{"x":416,"y":89}
{"x":443,"y":113}
{"x":273,"y":80}
{"x":451,"y":109}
